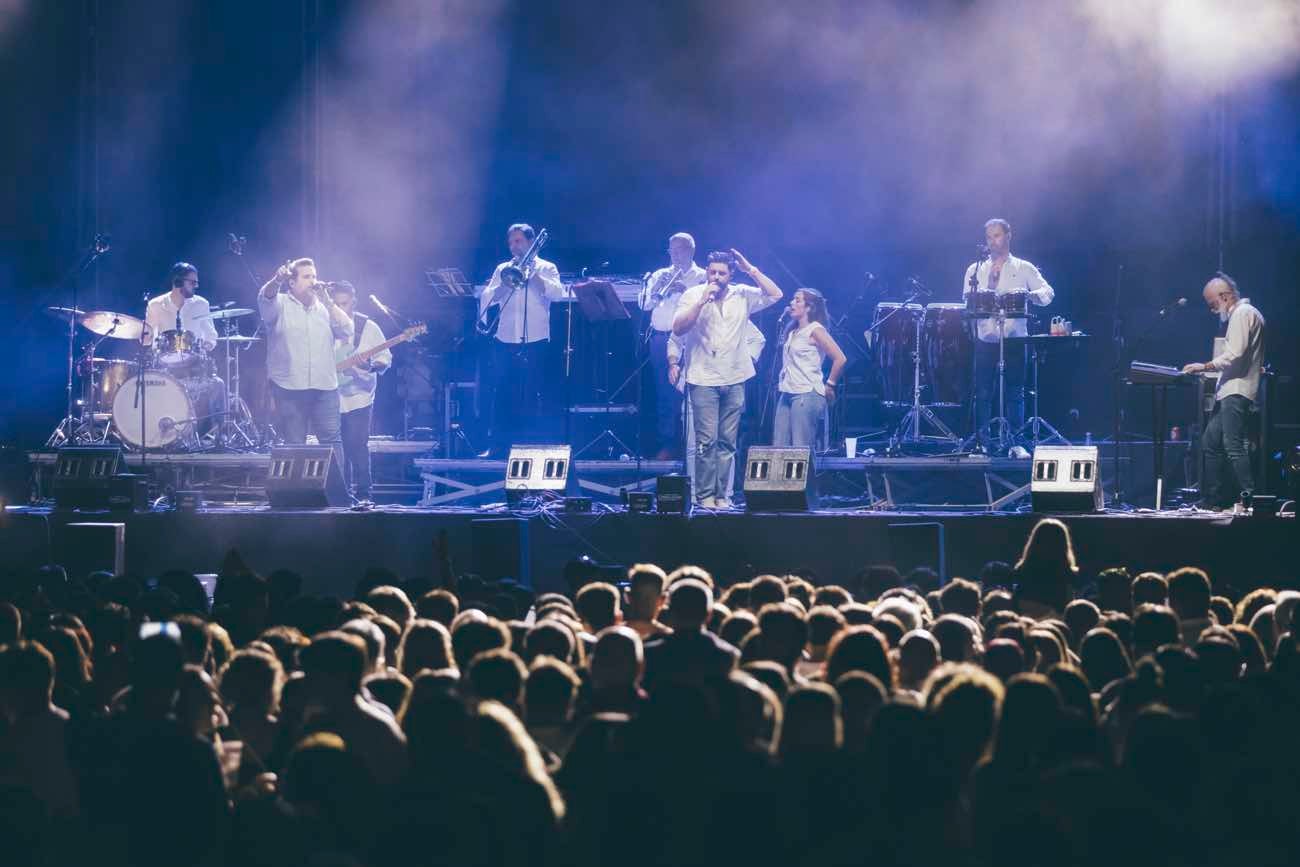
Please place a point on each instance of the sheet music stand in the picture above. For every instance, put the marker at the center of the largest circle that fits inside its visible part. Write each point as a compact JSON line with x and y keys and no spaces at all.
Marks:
{"x":448,"y":282}
{"x":599,"y":303}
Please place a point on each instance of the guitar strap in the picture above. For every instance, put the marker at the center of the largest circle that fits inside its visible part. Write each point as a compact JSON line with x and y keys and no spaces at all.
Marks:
{"x":359,"y":321}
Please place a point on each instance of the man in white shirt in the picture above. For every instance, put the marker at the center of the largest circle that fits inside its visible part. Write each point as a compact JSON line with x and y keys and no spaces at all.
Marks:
{"x":717,"y":314}
{"x":1002,"y":274}
{"x":302,"y":324}
{"x":660,"y":294}
{"x":357,"y":388}
{"x":180,"y":309}
{"x":1225,"y":445}
{"x":518,"y":349}
{"x":679,"y":359}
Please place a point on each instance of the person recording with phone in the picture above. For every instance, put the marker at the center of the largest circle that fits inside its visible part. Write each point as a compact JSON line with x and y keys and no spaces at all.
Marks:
{"x":302,"y":324}
{"x":804,"y":394}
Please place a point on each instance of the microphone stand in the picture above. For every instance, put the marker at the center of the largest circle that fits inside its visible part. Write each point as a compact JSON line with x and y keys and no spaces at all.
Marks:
{"x":67,"y":430}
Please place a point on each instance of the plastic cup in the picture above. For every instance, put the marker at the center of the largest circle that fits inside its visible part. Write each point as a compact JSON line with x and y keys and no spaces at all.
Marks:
{"x":850,"y":447}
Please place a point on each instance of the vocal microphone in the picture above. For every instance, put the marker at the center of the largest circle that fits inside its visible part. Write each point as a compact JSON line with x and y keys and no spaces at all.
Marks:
{"x":1172,"y":306}
{"x":785,"y":314}
{"x":918,"y":285}
{"x":382,"y":307}
{"x":871,"y":278}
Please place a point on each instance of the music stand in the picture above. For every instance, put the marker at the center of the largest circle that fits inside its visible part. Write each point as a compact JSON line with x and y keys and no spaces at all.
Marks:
{"x":599,"y":303}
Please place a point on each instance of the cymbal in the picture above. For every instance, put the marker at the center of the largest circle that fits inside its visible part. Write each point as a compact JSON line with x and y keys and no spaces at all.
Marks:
{"x":109,"y":324}
{"x":229,"y":313}
{"x":65,"y":312}
{"x":239,"y":338}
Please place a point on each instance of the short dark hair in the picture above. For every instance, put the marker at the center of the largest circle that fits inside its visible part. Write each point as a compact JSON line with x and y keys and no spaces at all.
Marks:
{"x":336,"y":654}
{"x":960,"y":596}
{"x":1150,"y":587}
{"x":298,"y":264}
{"x":498,"y":674}
{"x":1189,"y":592}
{"x":523,"y":228}
{"x":177,"y":274}
{"x":722,"y":257}
{"x":597,"y":604}
{"x":343,"y":287}
{"x":440,"y":605}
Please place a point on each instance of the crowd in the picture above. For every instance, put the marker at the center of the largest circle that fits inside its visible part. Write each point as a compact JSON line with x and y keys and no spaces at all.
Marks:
{"x":1034,"y":715}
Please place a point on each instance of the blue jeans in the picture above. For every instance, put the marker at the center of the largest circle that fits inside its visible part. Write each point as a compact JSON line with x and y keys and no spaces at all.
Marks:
{"x":1226,"y":449}
{"x":716,"y":410}
{"x":798,"y":417}
{"x":309,"y":410}
{"x":728,"y":480}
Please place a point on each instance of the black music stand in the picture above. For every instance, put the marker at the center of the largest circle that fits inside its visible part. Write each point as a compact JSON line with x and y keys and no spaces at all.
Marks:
{"x":599,"y":303}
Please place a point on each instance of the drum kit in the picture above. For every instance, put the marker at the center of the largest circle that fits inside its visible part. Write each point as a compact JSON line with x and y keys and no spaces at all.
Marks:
{"x":168,"y":398}
{"x":929,"y":349}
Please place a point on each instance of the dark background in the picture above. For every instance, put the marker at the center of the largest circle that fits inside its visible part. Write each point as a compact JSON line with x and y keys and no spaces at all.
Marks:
{"x":1133,"y":157}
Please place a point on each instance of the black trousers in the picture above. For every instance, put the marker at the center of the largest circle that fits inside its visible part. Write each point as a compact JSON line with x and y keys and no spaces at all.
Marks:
{"x":516,"y":380}
{"x":355,"y":428}
{"x":1226,"y":450}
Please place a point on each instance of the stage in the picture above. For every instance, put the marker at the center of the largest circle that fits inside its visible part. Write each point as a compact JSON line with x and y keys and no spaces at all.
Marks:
{"x":332,"y":547}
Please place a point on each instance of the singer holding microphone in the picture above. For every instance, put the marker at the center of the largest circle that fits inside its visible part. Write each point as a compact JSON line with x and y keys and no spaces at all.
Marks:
{"x":713,"y":318}
{"x":803,"y":394}
{"x":660,"y":294}
{"x":302,"y":324}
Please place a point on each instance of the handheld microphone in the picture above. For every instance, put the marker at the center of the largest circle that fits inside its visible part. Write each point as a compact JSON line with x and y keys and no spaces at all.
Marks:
{"x":1173,"y":306}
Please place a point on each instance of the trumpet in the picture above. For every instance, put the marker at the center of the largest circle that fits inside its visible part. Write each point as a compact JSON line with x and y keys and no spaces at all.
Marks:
{"x":515,"y":276}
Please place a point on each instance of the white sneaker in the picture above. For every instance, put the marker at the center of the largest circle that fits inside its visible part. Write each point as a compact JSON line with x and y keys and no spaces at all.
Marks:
{"x":722,"y":503}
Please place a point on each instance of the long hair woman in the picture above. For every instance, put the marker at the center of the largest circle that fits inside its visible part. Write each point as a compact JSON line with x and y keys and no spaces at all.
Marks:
{"x":804,"y":394}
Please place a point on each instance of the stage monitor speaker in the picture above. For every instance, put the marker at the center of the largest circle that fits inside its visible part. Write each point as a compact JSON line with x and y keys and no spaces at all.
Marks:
{"x":305,"y":477}
{"x":673,"y":495}
{"x":779,"y":479}
{"x":1066,"y":479}
{"x":535,"y":469}
{"x":83,"y":476}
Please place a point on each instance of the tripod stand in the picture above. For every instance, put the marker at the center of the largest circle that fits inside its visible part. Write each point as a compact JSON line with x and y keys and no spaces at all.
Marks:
{"x":236,"y":430}
{"x":909,"y":428}
{"x":601,"y":306}
{"x":1031,"y":430}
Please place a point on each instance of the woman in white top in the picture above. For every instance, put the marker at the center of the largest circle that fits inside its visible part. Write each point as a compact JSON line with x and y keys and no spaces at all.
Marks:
{"x":804,"y":394}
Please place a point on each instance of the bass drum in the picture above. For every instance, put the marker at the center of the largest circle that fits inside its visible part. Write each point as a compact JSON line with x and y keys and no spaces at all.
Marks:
{"x":168,"y":412}
{"x":895,"y":342}
{"x":947,"y":354}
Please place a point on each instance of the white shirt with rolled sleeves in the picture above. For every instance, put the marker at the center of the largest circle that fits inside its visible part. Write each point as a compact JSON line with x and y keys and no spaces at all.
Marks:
{"x":300,"y":342}
{"x":680,"y":348}
{"x":542,"y":288}
{"x":663,"y":311}
{"x":356,"y":384}
{"x":719,"y":355}
{"x":1018,"y":275}
{"x":1242,"y":358}
{"x":161,"y":316}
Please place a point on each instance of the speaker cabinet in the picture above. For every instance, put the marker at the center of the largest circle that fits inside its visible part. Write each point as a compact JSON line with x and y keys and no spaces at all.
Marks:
{"x":535,"y":469}
{"x":83,"y":476}
{"x":305,"y":477}
{"x":779,"y":479}
{"x":1066,"y":479}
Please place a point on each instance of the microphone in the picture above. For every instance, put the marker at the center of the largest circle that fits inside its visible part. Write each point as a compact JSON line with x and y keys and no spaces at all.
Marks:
{"x":918,"y":286}
{"x":1173,"y":306}
{"x":382,"y":307}
{"x":871,"y":278}
{"x":785,"y":314}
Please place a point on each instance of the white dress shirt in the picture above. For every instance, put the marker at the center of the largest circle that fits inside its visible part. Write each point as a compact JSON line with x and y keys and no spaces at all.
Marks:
{"x":719,"y":356}
{"x":300,"y":342}
{"x":161,"y":316}
{"x":663,"y":310}
{"x":1018,"y":275}
{"x":543,"y":288}
{"x":356,"y":384}
{"x":679,"y":349}
{"x":1242,"y":358}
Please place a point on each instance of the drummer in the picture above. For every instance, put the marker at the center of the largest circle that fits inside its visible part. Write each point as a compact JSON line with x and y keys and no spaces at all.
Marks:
{"x":180,"y":309}
{"x":1013,"y":282}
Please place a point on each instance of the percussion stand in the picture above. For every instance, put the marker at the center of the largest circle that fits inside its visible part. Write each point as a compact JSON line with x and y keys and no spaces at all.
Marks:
{"x":1000,"y":423}
{"x":68,"y":428}
{"x":231,"y":433}
{"x":1035,"y":423}
{"x":909,"y":429}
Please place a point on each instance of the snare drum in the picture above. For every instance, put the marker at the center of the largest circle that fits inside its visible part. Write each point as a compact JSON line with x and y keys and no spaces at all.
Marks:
{"x":168,"y":414}
{"x":176,"y":347}
{"x":895,"y":349}
{"x":946,"y":354}
{"x":1015,"y":303}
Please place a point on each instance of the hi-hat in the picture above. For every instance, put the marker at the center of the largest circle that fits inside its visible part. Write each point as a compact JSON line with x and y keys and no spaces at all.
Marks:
{"x":239,"y":338}
{"x":229,"y":313}
{"x":106,"y":323}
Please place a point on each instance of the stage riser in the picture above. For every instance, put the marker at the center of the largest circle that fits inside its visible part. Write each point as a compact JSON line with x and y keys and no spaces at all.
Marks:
{"x":333,"y":549}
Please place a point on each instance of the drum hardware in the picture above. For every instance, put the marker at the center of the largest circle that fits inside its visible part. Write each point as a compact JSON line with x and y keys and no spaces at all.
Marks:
{"x":237,"y":429}
{"x":106,"y":323}
{"x":68,"y":428}
{"x":908,"y":429}
{"x":227,"y":313}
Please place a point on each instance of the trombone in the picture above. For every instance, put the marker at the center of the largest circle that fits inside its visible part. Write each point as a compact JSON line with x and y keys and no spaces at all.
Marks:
{"x":516,"y":276}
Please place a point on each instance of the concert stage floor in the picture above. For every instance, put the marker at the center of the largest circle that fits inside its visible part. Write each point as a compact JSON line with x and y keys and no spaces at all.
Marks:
{"x":331,"y":548}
